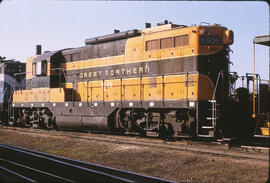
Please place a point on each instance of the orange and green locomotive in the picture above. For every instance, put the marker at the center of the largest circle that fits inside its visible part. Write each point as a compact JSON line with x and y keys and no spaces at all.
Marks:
{"x":167,"y":80}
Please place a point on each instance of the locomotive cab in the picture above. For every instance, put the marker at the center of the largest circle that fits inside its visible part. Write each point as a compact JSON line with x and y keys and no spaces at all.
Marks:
{"x":31,"y":106}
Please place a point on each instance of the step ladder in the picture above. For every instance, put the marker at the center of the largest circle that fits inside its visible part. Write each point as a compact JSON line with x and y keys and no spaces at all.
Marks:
{"x":209,"y":123}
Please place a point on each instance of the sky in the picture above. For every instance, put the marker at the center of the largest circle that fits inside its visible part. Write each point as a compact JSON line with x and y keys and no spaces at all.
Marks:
{"x":66,"y":24}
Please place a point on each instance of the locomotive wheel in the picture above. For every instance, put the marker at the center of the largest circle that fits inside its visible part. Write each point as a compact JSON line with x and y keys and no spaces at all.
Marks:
{"x":20,"y":122}
{"x":46,"y":123}
{"x":123,"y":120}
{"x":166,"y":131}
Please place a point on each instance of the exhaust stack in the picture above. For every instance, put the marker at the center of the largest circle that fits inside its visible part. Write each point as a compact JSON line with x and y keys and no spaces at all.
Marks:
{"x":38,"y":49}
{"x":147,"y":25}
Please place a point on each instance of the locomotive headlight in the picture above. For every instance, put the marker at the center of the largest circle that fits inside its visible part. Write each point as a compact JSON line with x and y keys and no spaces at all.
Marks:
{"x":228,"y":37}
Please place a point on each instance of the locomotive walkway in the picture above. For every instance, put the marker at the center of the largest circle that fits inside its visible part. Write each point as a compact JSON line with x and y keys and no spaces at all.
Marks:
{"x":22,"y":165}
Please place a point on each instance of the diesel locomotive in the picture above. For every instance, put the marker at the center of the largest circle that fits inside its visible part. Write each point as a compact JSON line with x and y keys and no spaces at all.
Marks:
{"x":9,"y":81}
{"x":166,"y":80}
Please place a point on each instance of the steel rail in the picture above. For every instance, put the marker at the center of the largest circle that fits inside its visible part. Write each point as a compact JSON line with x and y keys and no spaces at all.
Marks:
{"x":230,"y":149}
{"x":12,"y":176}
{"x":108,"y":174}
{"x":35,"y":174}
{"x":50,"y":165}
{"x":122,"y":173}
{"x":206,"y":150}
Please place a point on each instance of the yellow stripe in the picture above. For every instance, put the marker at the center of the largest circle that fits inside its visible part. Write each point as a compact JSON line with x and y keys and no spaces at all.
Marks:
{"x":130,"y":62}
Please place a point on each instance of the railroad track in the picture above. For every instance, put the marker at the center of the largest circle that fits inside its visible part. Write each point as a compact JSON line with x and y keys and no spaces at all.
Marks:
{"x":23,"y":165}
{"x":223,"y":149}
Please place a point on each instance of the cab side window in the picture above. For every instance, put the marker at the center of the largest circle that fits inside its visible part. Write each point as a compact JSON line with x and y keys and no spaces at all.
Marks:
{"x":40,"y":68}
{"x":44,"y":67}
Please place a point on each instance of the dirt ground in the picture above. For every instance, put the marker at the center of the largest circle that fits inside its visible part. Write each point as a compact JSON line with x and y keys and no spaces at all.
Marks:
{"x":179,"y":166}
